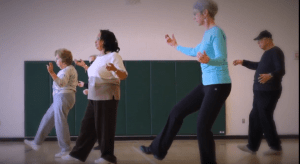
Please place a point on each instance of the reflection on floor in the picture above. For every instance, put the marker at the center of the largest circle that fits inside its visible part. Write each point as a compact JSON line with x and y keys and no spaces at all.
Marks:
{"x":181,"y":152}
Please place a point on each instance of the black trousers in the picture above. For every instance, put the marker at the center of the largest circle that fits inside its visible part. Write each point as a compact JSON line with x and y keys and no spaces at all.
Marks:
{"x":99,"y":123}
{"x":208,"y":100}
{"x":261,"y":120}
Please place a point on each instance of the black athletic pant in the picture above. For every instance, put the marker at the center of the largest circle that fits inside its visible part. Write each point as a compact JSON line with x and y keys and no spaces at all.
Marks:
{"x":99,"y":123}
{"x":208,"y":100}
{"x":261,"y":120}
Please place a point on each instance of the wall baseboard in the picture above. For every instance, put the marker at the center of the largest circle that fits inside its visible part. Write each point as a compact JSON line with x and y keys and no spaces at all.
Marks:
{"x":128,"y":138}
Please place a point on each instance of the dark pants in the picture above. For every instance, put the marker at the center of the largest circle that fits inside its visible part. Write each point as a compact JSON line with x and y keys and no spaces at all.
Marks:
{"x":99,"y":123}
{"x":209,"y":101}
{"x":261,"y":120}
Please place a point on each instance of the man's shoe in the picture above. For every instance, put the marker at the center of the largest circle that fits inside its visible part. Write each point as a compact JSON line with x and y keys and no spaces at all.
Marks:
{"x":145,"y":149}
{"x":32,"y":145}
{"x":60,"y":154}
{"x":273,"y":152}
{"x":246,"y":149}
{"x":69,"y":158}
{"x":158,"y":158}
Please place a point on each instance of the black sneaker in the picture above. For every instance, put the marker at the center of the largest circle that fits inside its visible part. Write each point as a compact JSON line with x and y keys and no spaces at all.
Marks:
{"x":97,"y":147}
{"x":157,"y":157}
{"x":145,"y":149}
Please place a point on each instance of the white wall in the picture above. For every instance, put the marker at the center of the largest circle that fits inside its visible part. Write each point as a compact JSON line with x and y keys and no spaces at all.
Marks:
{"x":34,"y":29}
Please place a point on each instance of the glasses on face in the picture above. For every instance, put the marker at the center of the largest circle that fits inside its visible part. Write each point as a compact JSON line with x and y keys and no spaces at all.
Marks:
{"x":98,"y":39}
{"x":195,"y":13}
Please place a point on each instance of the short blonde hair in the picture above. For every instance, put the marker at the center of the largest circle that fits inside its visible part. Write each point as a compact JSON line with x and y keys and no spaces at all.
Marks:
{"x":65,"y":55}
{"x":210,"y":5}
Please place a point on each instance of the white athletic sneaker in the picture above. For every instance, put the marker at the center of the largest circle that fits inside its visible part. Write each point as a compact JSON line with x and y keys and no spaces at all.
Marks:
{"x":60,"y":154}
{"x":102,"y":160}
{"x":246,"y":149}
{"x":273,"y":152}
{"x":69,"y":158}
{"x":32,"y":145}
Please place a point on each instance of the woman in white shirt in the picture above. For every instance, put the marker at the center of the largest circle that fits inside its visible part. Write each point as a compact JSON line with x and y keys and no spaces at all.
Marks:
{"x":99,"y":122}
{"x":64,"y":88}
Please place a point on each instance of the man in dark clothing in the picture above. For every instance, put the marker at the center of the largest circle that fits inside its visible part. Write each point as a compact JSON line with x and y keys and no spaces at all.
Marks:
{"x":267,"y":90}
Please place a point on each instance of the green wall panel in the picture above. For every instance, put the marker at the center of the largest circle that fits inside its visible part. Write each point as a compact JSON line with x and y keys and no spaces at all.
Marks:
{"x":37,"y":95}
{"x":137,"y":97}
{"x":121,"y":113}
{"x":147,"y":97}
{"x":163,"y":93}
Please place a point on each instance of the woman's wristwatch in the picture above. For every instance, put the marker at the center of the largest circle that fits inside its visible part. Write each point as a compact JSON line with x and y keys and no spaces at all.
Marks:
{"x":271,"y":74}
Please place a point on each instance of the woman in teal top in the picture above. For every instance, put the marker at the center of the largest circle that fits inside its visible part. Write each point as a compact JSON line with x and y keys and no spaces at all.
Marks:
{"x":215,"y":71}
{"x":208,"y":97}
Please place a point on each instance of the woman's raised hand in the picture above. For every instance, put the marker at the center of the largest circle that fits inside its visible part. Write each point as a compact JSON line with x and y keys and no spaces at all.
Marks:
{"x":171,"y":41}
{"x":80,"y":62}
{"x":50,"y":68}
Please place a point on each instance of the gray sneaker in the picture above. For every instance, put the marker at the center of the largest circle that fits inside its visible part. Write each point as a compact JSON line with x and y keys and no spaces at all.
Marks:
{"x":60,"y":154}
{"x":246,"y":149}
{"x":102,"y":160}
{"x":273,"y":152}
{"x":32,"y":145}
{"x":69,"y":158}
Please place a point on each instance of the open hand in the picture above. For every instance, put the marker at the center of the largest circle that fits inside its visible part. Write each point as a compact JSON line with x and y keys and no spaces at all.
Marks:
{"x":110,"y":67}
{"x":263,"y":78}
{"x":79,"y":62}
{"x":172,"y":42}
{"x":203,"y":58}
{"x":50,"y":68}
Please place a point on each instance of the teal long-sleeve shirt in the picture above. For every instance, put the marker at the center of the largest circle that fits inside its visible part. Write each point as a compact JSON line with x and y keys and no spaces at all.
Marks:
{"x":214,"y":44}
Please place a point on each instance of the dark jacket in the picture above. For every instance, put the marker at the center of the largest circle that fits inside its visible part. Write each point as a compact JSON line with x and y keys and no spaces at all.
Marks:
{"x":272,"y":61}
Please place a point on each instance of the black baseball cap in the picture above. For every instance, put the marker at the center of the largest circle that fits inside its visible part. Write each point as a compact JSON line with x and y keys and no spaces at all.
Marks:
{"x":263,"y":34}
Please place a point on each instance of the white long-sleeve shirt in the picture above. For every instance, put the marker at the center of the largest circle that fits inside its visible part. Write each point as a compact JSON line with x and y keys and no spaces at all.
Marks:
{"x":66,"y":82}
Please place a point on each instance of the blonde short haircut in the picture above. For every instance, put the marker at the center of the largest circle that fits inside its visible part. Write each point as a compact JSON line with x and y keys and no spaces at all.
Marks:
{"x":65,"y":55}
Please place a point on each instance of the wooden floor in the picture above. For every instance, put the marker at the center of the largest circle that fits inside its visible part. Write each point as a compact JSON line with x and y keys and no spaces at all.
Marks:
{"x":181,"y":152}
